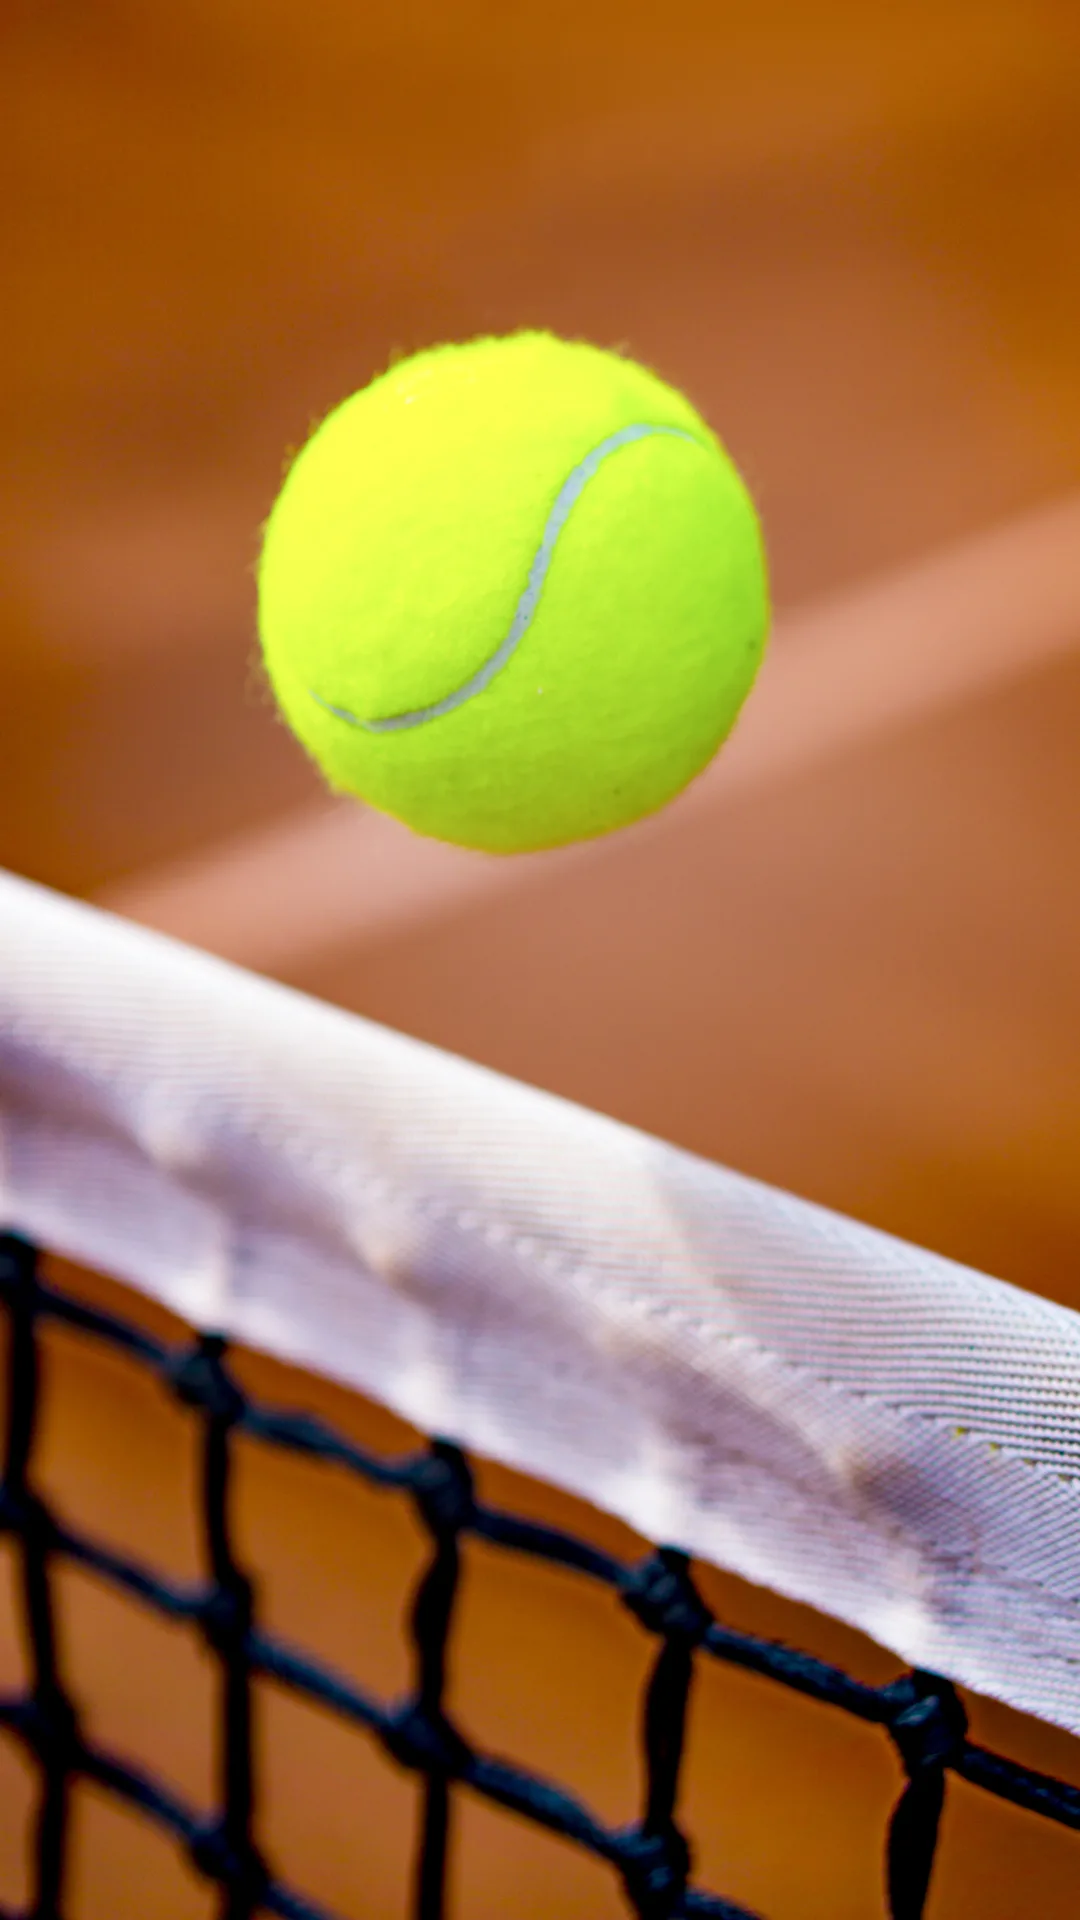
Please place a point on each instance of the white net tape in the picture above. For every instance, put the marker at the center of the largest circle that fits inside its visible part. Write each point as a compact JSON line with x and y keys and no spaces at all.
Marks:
{"x":823,"y":1409}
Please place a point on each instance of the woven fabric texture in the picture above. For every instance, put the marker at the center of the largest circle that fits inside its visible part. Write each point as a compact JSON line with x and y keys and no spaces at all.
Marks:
{"x":753,"y":1380}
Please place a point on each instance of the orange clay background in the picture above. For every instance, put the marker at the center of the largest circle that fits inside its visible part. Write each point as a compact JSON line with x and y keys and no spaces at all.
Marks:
{"x":850,"y":231}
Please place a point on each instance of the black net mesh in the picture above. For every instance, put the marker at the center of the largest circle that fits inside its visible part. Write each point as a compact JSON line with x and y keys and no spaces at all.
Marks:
{"x":919,"y":1712}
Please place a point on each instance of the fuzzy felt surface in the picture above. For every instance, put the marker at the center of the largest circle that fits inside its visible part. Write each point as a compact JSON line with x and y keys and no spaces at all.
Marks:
{"x":513,"y":592}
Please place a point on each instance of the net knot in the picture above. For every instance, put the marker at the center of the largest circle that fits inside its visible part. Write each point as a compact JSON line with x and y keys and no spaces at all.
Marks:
{"x":49,"y":1726}
{"x":655,"y":1868}
{"x":660,"y":1593}
{"x":18,"y":1263}
{"x":425,"y":1743}
{"x":225,"y":1616}
{"x":23,"y":1514}
{"x":199,"y":1379}
{"x":443,"y":1489}
{"x":222,"y":1860}
{"x":930,"y":1727}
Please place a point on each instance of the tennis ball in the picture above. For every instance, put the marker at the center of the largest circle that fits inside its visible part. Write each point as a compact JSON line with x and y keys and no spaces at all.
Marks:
{"x":513,"y":593}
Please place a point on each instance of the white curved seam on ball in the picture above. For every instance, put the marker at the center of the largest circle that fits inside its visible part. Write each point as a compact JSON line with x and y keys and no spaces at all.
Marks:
{"x":566,"y":500}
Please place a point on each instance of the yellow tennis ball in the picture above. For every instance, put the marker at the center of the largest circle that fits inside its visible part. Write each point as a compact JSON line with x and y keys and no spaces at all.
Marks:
{"x":513,"y":593}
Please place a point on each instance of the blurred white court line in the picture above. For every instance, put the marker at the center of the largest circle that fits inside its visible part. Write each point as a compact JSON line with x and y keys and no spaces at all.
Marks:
{"x":862,"y":663}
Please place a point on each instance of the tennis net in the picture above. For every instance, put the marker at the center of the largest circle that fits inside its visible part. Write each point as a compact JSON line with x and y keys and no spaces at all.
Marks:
{"x":739,"y":1376}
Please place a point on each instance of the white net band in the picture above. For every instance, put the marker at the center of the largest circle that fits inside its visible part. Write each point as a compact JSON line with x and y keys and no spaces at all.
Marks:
{"x":857,"y":1423}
